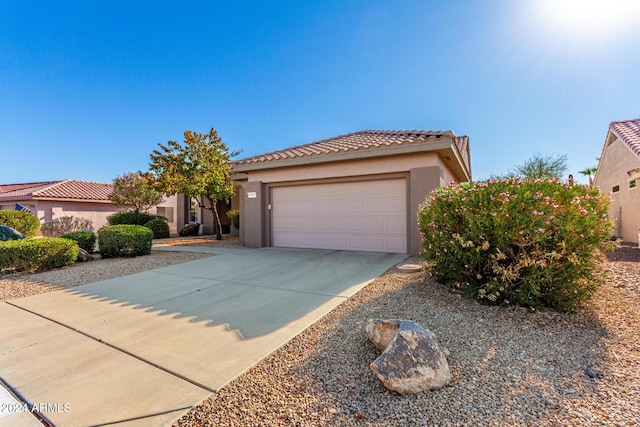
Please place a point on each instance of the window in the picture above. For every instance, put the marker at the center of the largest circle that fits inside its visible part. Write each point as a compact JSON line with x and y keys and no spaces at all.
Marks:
{"x":193,"y":210}
{"x":632,"y":183}
{"x":166,"y":212}
{"x":616,"y":188}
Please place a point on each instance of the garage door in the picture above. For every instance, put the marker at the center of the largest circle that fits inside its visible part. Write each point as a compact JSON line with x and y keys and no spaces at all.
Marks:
{"x":358,"y":216}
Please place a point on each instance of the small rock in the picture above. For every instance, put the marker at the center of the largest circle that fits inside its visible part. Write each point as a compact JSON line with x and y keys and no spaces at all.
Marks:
{"x":84,"y":256}
{"x":591,"y":373}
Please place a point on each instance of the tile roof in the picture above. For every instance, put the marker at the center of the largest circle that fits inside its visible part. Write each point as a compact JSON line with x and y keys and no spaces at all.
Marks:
{"x":629,"y":132}
{"x":69,"y":189}
{"x":12,"y":187}
{"x":361,"y":140}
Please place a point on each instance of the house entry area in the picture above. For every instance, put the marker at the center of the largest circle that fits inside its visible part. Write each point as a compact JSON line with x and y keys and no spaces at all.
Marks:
{"x":358,"y":216}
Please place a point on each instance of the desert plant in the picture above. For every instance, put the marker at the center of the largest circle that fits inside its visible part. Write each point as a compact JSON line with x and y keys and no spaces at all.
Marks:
{"x":24,"y":222}
{"x":513,"y":242}
{"x":159,"y":227}
{"x":37,"y":254}
{"x":234,"y":216}
{"x":85,"y":239}
{"x":190,"y":230}
{"x":64,"y":225}
{"x":124,"y":240}
{"x":132,"y":218}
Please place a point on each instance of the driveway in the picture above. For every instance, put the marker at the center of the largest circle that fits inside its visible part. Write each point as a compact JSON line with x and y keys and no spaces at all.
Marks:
{"x":141,"y":350}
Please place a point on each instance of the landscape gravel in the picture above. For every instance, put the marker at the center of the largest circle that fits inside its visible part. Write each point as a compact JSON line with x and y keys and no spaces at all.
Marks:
{"x":510,"y":367}
{"x":13,"y":286}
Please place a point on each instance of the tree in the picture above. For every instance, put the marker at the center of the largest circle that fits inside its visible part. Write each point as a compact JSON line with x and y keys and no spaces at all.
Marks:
{"x":136,"y":191}
{"x":538,"y":167}
{"x":590,"y":172}
{"x":200,"y":169}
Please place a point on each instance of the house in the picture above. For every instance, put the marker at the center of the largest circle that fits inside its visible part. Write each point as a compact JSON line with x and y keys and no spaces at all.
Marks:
{"x":358,"y":191}
{"x":83,"y":199}
{"x":618,"y":174}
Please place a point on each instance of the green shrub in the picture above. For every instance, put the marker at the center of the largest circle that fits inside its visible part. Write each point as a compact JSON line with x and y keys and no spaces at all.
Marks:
{"x":513,"y":242}
{"x":234,"y":216}
{"x":8,"y":233}
{"x":24,"y":222}
{"x":159,"y":227}
{"x":132,"y":218}
{"x":85,"y":239}
{"x":37,"y":254}
{"x":64,"y":225}
{"x":124,"y":240}
{"x":190,"y":230}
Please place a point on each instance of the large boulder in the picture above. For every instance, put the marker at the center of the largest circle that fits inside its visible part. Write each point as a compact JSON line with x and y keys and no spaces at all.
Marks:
{"x":411,"y":360}
{"x":8,"y":233}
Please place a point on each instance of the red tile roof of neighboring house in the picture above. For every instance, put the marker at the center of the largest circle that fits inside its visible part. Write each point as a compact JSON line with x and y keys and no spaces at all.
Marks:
{"x":69,"y":189}
{"x":12,"y":187}
{"x":362,"y":140}
{"x":629,"y":132}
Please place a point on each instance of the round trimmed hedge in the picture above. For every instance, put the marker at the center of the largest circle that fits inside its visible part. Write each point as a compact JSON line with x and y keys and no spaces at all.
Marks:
{"x":190,"y":230}
{"x":159,"y":227}
{"x":37,"y":254}
{"x":132,"y":218}
{"x":85,"y":239}
{"x":26,"y":223}
{"x":513,"y":242}
{"x":124,"y":240}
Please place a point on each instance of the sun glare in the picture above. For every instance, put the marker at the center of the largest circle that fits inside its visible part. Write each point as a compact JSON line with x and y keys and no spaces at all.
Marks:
{"x":588,"y":19}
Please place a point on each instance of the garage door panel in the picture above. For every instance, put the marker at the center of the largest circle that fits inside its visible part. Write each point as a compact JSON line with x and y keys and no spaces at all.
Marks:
{"x":363,"y":216}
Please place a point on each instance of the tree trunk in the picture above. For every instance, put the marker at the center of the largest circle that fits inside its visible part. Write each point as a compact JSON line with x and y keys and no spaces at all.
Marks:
{"x":216,"y":219}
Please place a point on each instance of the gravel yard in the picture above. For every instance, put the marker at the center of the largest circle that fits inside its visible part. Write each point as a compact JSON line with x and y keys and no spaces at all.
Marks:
{"x":510,"y":367}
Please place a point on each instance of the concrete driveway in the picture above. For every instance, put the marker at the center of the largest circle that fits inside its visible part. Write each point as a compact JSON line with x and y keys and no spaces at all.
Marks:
{"x":141,"y":350}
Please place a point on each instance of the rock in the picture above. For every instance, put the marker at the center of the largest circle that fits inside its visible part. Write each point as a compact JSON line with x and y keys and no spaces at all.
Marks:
{"x":591,"y":373}
{"x":8,"y":233}
{"x":411,"y":361}
{"x":84,"y":256}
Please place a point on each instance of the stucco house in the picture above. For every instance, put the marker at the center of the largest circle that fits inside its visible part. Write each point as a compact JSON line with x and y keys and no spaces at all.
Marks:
{"x":358,"y":191}
{"x":84,"y":199}
{"x":618,"y":174}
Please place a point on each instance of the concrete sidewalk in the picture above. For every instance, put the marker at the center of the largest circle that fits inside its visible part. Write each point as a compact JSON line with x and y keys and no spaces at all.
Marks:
{"x":142,"y":349}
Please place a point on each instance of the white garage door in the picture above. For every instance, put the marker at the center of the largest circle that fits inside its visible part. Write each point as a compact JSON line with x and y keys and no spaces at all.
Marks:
{"x":357,"y":216}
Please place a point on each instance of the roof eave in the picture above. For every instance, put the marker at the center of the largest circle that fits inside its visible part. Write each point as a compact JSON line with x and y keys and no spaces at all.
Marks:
{"x":442,"y":146}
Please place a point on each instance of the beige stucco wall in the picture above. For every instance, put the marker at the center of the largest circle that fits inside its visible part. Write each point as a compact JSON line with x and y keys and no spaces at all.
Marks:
{"x":617,"y":160}
{"x":422,"y":171}
{"x":46,"y":210}
{"x":171,"y":214}
{"x":360,"y":167}
{"x":97,"y":213}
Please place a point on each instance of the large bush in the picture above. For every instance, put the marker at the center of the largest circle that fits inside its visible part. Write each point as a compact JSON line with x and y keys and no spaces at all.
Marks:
{"x":190,"y":230}
{"x":64,"y":225}
{"x":133,"y":218}
{"x":124,"y":240}
{"x":24,"y":222}
{"x":159,"y":227}
{"x":37,"y":254}
{"x":513,"y":242}
{"x":85,"y":239}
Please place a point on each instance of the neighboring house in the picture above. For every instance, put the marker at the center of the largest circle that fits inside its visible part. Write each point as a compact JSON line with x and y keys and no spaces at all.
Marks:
{"x":83,"y":199}
{"x":358,"y":191}
{"x":618,"y":174}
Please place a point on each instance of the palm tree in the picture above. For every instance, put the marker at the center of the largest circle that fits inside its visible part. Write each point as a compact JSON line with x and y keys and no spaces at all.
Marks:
{"x":590,"y":172}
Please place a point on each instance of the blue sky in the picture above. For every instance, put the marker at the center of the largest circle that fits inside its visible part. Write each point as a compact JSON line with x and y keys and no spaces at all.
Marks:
{"x":88,"y":88}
